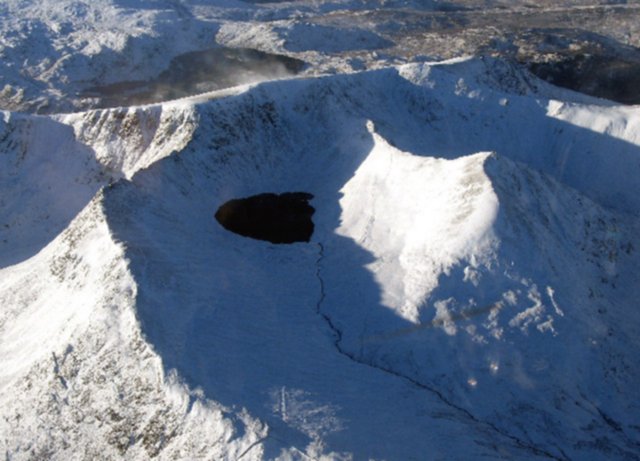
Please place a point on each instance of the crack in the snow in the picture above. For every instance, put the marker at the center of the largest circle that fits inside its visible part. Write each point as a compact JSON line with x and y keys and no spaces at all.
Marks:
{"x":338,"y":338}
{"x":336,"y":331}
{"x":271,"y":436}
{"x":252,"y":446}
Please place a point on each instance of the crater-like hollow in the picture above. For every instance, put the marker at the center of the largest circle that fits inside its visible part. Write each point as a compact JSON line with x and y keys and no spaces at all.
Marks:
{"x":276,"y":218}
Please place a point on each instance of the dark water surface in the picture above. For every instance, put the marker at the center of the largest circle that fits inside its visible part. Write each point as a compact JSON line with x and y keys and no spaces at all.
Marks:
{"x":284,"y":218}
{"x":605,"y":77}
{"x":197,"y":72}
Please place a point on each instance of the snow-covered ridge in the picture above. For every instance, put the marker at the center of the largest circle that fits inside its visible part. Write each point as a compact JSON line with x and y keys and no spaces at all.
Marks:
{"x":472,"y":274}
{"x":78,"y":378}
{"x":128,"y":139}
{"x":52,"y":167}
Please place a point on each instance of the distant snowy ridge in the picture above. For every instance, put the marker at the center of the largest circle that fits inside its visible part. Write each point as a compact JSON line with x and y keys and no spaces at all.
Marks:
{"x":472,"y":274}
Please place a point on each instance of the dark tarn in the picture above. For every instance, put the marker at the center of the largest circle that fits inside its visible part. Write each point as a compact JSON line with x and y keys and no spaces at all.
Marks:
{"x":197,"y":72}
{"x":602,"y":76}
{"x":284,"y":218}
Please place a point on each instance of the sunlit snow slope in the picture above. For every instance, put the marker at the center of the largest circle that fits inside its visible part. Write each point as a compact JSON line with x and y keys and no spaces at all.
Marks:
{"x":469,"y":291}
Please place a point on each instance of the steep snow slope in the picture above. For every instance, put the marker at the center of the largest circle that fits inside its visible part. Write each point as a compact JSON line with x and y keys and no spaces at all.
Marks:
{"x":472,"y":277}
{"x":46,"y":178}
{"x":79,"y":381}
{"x":495,"y":277}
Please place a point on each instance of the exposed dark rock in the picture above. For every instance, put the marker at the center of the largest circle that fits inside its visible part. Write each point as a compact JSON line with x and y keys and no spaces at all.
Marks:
{"x":284,"y":218}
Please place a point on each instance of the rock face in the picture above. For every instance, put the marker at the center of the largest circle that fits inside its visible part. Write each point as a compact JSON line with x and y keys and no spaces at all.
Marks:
{"x":284,"y":218}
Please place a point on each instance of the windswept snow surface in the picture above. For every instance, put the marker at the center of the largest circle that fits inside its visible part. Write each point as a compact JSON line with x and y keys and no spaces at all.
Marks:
{"x":469,"y":291}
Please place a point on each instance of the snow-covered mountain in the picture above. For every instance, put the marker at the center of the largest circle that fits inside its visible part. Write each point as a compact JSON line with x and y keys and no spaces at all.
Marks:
{"x":469,"y":290}
{"x":470,"y":287}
